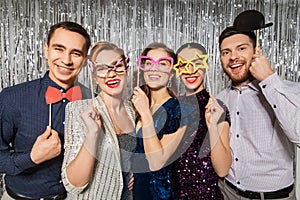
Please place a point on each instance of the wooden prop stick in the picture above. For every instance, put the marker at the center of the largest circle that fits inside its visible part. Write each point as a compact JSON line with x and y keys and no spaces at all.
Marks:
{"x":257,"y":41}
{"x":92,"y":87}
{"x":138,"y":78}
{"x":208,"y":82}
{"x":90,"y":70}
{"x":50,"y":114}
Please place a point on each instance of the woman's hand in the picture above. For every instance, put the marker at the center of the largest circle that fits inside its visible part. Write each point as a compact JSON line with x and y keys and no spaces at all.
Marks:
{"x":140,"y":101}
{"x":213,"y":112}
{"x":91,"y":119}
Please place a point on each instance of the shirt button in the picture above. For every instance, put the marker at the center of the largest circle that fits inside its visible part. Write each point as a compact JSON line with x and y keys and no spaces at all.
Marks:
{"x":64,"y":100}
{"x":236,"y":159}
{"x":264,"y":86}
{"x":237,"y":113}
{"x":240,"y":92}
{"x":63,"y":122}
{"x":274,"y":106}
{"x":237,"y":135}
{"x":61,"y":90}
{"x":238,"y":182}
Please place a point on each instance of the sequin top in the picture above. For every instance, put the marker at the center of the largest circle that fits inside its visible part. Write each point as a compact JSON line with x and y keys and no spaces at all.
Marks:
{"x":155,"y":185}
{"x":193,"y":175}
{"x":127,"y":144}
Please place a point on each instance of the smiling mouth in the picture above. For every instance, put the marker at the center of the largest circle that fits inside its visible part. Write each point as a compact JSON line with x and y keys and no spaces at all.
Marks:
{"x":191,"y":79}
{"x":113,"y":83}
{"x":236,"y":68}
{"x":154,"y":77}
{"x":64,"y":68}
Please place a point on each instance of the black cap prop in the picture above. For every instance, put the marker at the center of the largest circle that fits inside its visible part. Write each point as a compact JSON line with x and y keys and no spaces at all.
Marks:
{"x":250,"y":20}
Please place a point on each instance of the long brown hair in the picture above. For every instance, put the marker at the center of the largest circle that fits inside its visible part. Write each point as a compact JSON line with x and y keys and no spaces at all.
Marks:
{"x":171,"y":53}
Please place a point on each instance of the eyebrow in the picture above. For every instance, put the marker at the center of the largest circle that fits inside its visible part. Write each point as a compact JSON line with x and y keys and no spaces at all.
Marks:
{"x":73,"y":50}
{"x":247,"y":44}
{"x":58,"y":45}
{"x":228,"y":49}
{"x":196,"y":59}
{"x":112,"y":63}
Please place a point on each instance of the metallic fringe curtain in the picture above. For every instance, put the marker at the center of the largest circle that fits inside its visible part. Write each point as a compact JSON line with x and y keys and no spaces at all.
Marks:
{"x":132,"y":24}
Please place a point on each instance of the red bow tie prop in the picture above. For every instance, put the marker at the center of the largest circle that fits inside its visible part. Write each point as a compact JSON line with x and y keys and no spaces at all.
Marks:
{"x":54,"y":95}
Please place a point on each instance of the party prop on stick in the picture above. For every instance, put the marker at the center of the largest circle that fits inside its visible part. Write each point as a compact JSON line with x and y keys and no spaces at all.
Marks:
{"x":138,"y":77}
{"x":203,"y":65}
{"x":54,"y":95}
{"x":182,"y":66}
{"x":91,"y":69}
{"x":251,"y":20}
{"x":208,"y":82}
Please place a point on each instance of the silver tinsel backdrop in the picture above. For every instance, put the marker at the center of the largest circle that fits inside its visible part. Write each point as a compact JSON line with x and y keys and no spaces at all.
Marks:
{"x":132,"y":24}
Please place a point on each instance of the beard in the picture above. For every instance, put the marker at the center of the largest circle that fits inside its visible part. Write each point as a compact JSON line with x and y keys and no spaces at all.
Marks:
{"x":240,"y":78}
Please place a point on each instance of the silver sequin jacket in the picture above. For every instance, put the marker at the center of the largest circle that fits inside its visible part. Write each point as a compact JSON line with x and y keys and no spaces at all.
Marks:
{"x":107,"y":181}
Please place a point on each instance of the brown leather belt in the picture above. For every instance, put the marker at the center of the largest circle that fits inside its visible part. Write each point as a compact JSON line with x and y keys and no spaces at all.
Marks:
{"x":16,"y":196}
{"x":282,"y":193}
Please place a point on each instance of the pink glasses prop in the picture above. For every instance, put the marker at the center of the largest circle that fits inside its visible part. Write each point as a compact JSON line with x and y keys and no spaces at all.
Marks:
{"x":163,"y":64}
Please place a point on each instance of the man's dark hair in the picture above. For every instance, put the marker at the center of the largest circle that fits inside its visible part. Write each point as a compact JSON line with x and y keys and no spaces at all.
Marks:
{"x":74,"y":27}
{"x":229,"y":31}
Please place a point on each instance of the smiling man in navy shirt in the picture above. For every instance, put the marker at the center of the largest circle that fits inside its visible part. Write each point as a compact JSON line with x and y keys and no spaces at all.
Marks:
{"x":31,"y":152}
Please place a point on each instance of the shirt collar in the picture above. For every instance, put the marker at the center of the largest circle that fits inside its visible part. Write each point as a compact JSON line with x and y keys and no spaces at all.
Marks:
{"x":47,"y":81}
{"x":254,"y":85}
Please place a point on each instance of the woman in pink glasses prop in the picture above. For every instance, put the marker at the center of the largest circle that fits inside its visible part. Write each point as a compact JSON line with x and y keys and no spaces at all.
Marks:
{"x":158,"y":124}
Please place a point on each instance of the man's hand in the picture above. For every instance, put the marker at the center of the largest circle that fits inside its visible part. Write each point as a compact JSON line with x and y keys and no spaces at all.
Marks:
{"x":260,"y":67}
{"x":46,"y":146}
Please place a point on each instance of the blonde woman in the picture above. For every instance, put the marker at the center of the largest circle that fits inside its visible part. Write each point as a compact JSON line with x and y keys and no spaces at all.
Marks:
{"x":99,"y":140}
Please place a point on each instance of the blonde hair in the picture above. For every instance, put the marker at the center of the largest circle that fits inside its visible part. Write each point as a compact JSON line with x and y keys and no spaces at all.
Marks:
{"x":101,"y":46}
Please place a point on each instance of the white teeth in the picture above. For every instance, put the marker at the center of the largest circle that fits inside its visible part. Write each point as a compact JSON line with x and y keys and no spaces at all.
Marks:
{"x":191,"y":79}
{"x":237,"y":65}
{"x":64,"y":68}
{"x":112,"y":82}
{"x":154,"y":76}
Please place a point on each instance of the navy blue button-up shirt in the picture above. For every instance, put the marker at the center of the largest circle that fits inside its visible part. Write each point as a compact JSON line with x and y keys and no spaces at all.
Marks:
{"x":24,"y":115}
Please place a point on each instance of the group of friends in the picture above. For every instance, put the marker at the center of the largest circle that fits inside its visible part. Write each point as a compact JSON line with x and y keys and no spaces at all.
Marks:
{"x":151,"y":144}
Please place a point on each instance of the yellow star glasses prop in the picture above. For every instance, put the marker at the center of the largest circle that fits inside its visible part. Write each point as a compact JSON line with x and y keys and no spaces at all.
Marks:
{"x":198,"y":61}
